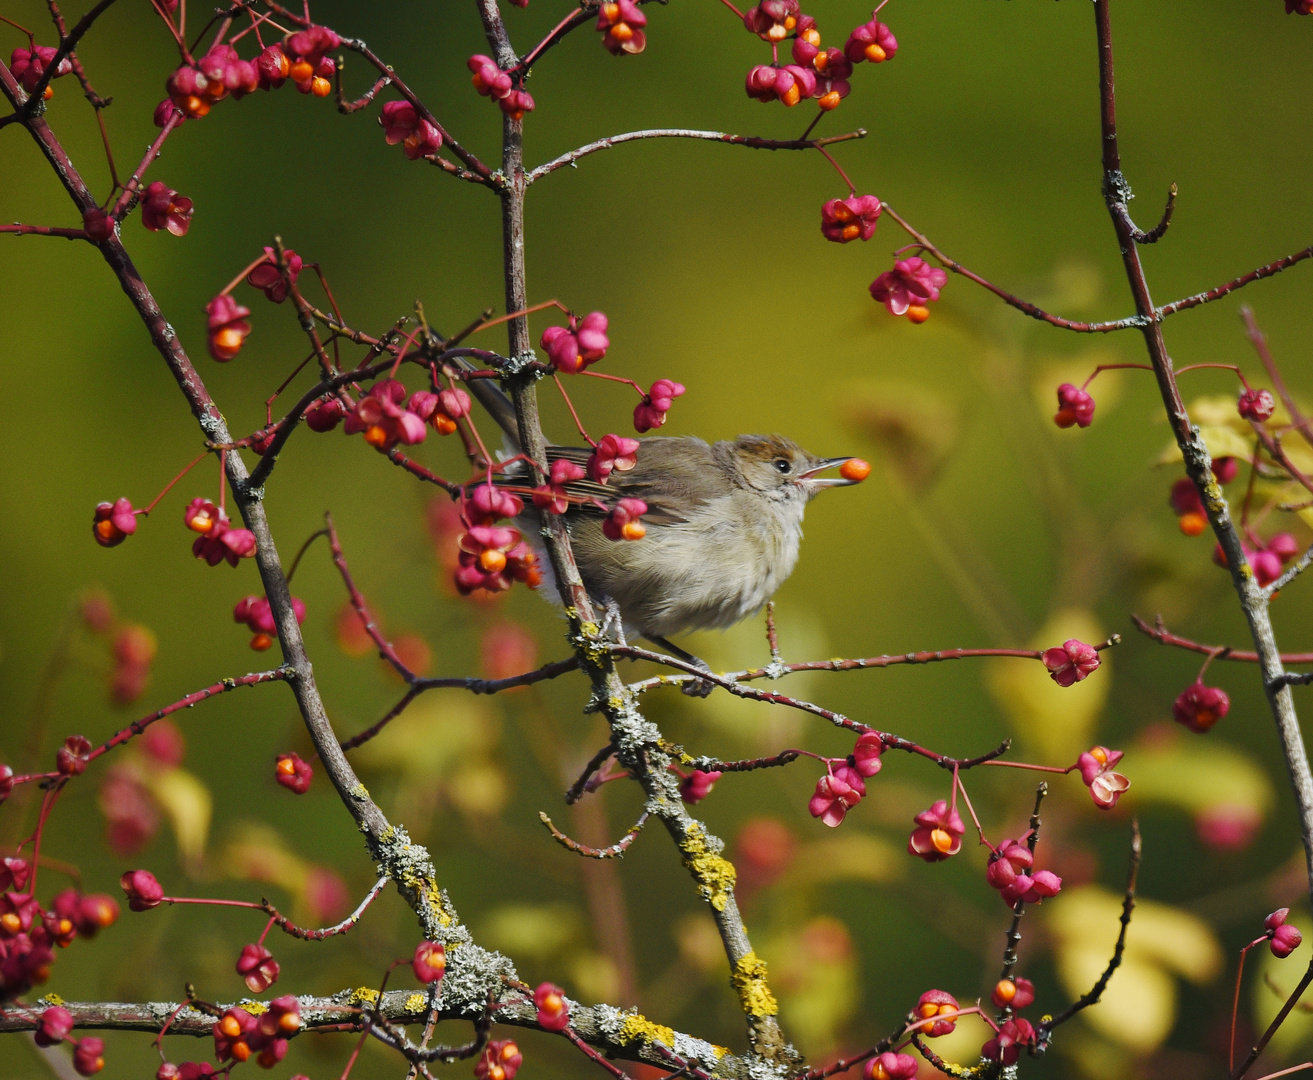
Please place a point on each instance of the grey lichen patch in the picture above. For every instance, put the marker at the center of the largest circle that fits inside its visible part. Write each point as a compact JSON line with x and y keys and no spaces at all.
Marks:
{"x":761,"y":1069}
{"x":473,"y":974}
{"x":691,"y":1049}
{"x":521,"y":362}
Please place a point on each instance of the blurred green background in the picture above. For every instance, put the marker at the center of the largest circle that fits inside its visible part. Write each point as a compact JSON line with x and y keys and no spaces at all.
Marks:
{"x":982,"y":524}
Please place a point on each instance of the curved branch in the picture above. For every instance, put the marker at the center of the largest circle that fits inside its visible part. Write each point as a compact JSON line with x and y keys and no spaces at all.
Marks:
{"x":1156,"y":233}
{"x":753,"y":142}
{"x":613,"y":852}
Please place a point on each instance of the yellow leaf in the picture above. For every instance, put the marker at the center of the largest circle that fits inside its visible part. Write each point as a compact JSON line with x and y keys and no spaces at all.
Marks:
{"x":536,"y":931}
{"x":189,"y":805}
{"x":851,"y":856}
{"x":1056,"y":722}
{"x":1139,"y":1008}
{"x":1197,"y":774}
{"x":436,"y":735}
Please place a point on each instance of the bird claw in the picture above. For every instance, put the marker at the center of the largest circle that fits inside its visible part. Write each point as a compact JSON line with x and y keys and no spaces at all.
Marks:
{"x":698,"y":688}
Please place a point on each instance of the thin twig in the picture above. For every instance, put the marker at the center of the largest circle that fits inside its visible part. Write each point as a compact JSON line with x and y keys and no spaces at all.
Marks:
{"x":613,"y":852}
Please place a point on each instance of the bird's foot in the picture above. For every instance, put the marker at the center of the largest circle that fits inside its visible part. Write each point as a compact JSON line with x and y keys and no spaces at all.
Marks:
{"x":698,"y":688}
{"x":694,"y":687}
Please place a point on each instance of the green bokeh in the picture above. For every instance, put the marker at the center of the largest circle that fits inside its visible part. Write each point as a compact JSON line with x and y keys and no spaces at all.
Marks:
{"x":707,"y":259}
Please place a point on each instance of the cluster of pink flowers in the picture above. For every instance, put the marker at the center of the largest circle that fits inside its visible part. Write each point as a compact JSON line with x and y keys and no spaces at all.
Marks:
{"x":501,"y":1060}
{"x":132,"y":813}
{"x":844,"y":785}
{"x":1257,"y":405}
{"x":238,"y":1035}
{"x":1011,"y":872}
{"x":938,"y":833}
{"x":293,"y":773}
{"x":573,"y":347}
{"x":269,"y":279}
{"x":1071,"y":662}
{"x":402,"y":123}
{"x":30,"y":934}
{"x":622,"y":522}
{"x":621,"y":22}
{"x":113,"y":522}
{"x":651,"y":411}
{"x":1075,"y":407}
{"x":257,"y":967}
{"x":1013,"y":1036}
{"x":816,"y":72}
{"x":611,"y":454}
{"x":29,"y":65}
{"x":1096,"y":772}
{"x":1186,"y":504}
{"x":255,"y":614}
{"x":909,"y":287}
{"x":384,"y":419}
{"x":429,"y":962}
{"x":218,"y":540}
{"x":493,"y":557}
{"x":164,"y":208}
{"x":853,"y":218}
{"x":1282,"y":938}
{"x":697,"y":785}
{"x":227,"y":327}
{"x":490,"y":81}
{"x":1267,"y":560}
{"x":553,"y":1009}
{"x":1199,"y":707}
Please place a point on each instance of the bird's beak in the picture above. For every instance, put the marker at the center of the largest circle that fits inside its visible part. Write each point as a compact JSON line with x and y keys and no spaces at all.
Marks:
{"x":813,"y":481}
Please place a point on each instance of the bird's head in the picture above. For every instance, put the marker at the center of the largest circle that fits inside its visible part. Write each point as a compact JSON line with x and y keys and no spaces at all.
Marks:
{"x":781,"y":469}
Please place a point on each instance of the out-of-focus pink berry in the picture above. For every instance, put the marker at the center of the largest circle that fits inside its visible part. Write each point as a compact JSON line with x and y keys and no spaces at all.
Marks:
{"x":311,"y":44}
{"x":227,"y":327}
{"x":909,"y":286}
{"x":651,"y":411}
{"x":1015,"y":1035}
{"x":890,"y":1066}
{"x":1199,"y":707}
{"x":1256,"y":405}
{"x":488,"y":503}
{"x":293,"y":773}
{"x":516,"y":104}
{"x":697,"y":785}
{"x":113,"y":522}
{"x":1299,"y":7}
{"x":932,"y":1004}
{"x":98,"y":224}
{"x":272,"y":67}
{"x":938,"y":833}
{"x":1071,"y":662}
{"x":1225,"y":469}
{"x":384,"y":420}
{"x":53,"y":1027}
{"x":853,"y":218}
{"x":88,"y":1055}
{"x":429,"y":962}
{"x":872,"y":41}
{"x":613,"y":452}
{"x":142,"y":889}
{"x":500,"y":1060}
{"x":164,"y":208}
{"x":1075,"y":407}
{"x":1283,"y":939}
{"x":507,"y":649}
{"x":325,"y":415}
{"x":1096,"y":771}
{"x":257,"y":966}
{"x":553,"y":1009}
{"x":29,"y":65}
{"x":622,"y":523}
{"x":621,"y":22}
{"x":255,"y":613}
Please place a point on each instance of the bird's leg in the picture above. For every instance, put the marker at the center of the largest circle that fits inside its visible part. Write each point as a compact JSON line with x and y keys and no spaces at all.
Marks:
{"x":614,"y":621}
{"x":694,"y":687}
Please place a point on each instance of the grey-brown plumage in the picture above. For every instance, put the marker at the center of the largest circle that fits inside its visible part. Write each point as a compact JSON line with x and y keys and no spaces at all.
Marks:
{"x":724,"y":525}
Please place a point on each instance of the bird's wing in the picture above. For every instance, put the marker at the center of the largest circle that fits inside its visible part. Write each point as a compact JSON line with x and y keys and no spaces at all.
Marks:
{"x":672,"y":475}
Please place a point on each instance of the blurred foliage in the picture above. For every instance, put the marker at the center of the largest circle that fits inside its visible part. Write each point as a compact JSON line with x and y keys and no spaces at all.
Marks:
{"x":983,"y":525}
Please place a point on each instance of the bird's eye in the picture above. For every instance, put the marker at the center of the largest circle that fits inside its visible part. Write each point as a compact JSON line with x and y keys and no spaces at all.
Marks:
{"x":783,"y":465}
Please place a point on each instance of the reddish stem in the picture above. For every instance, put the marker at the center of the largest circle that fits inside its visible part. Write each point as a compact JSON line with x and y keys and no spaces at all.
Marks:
{"x":145,"y":511}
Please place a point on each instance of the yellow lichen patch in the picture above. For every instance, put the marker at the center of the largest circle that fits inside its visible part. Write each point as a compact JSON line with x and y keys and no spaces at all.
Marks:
{"x":715,"y":874}
{"x":51,"y":1000}
{"x":414,"y":1003}
{"x":360,"y":792}
{"x":255,"y":1008}
{"x":749,"y":979}
{"x":364,"y":993}
{"x":639,"y":1027}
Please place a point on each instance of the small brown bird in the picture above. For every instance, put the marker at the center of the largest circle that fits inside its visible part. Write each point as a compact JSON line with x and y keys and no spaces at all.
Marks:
{"x":724,"y":524}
